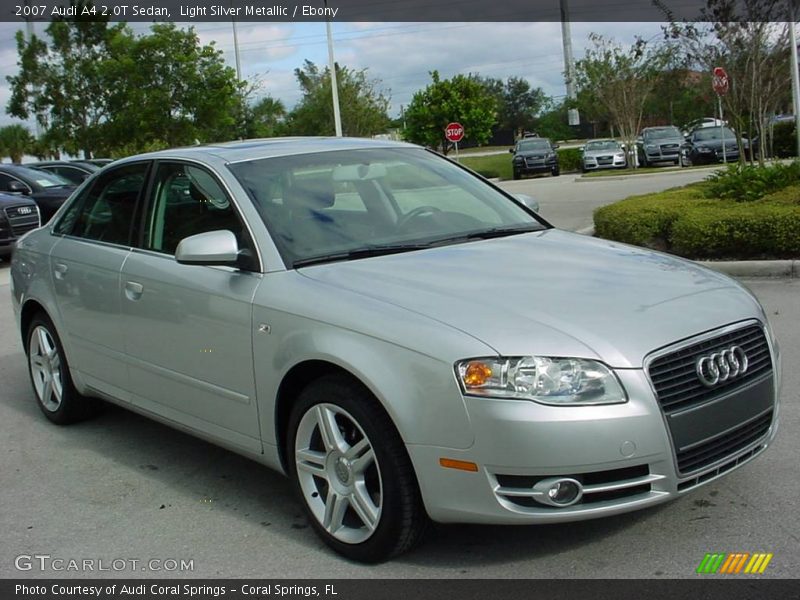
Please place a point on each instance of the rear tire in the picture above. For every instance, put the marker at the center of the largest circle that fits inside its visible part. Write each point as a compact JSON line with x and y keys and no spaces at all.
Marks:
{"x":49,"y":372}
{"x":352,"y":472}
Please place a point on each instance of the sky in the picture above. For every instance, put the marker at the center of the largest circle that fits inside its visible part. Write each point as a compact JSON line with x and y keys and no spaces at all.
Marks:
{"x":400,"y":55}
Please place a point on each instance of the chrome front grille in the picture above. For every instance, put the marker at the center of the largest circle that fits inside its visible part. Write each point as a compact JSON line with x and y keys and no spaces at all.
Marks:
{"x":674,"y":375}
{"x":22,"y":221}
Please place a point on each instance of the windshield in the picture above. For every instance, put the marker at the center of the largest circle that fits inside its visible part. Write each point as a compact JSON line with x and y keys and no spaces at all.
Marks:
{"x":43,"y":178}
{"x":603,"y":145}
{"x":713,"y":133}
{"x":529,"y":145}
{"x":331,"y":203}
{"x":663,"y":133}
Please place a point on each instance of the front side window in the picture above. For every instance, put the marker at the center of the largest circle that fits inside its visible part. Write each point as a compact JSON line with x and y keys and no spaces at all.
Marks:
{"x":343,"y":202}
{"x":187,"y":200}
{"x":105,"y":211}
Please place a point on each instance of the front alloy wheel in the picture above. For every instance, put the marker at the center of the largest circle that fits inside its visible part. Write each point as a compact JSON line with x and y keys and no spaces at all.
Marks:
{"x":338,"y":473}
{"x":352,"y":471}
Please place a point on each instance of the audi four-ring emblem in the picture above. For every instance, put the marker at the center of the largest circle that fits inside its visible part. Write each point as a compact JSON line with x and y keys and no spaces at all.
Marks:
{"x":715,"y":368}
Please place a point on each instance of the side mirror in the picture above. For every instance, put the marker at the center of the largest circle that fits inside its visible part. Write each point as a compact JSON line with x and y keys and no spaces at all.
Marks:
{"x":209,"y":248}
{"x":581,"y":148}
{"x":17,"y":187}
{"x":556,"y":146}
{"x":528,"y":202}
{"x":511,"y":150}
{"x":622,"y":146}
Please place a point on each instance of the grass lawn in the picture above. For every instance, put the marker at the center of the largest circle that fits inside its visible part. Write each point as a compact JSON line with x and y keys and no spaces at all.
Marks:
{"x":496,"y":165}
{"x":468,"y":151}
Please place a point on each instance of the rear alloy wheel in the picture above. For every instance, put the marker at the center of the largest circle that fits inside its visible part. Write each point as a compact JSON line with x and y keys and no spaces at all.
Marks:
{"x":49,"y":372}
{"x":353,"y":473}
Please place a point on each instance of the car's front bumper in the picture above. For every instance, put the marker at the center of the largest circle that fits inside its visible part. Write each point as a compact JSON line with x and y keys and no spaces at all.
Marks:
{"x":622,"y":454}
{"x":593,"y":165}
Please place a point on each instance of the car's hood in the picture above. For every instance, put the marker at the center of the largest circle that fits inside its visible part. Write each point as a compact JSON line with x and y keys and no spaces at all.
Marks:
{"x":534,"y":153}
{"x":54,"y":193}
{"x":664,"y":141}
{"x":15,"y":200}
{"x":552,"y":293}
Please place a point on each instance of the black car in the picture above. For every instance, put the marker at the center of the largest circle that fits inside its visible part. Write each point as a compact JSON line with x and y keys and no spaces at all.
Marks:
{"x":18,"y":215}
{"x":75,"y":171}
{"x":704,"y":145}
{"x":49,"y":191}
{"x":99,"y":162}
{"x":534,"y":155}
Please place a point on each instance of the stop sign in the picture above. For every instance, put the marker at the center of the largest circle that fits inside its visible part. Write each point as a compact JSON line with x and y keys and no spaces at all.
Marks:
{"x":454,"y":132}
{"x":720,"y":81}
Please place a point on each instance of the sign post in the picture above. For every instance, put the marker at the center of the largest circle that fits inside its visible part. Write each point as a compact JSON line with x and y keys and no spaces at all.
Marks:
{"x":721,"y":83}
{"x":454,"y":132}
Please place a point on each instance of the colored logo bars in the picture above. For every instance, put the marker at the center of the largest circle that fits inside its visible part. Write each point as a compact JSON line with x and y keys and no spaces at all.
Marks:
{"x":734,"y":563}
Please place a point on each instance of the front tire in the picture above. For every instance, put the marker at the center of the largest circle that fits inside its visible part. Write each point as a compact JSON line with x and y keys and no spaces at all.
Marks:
{"x":515,"y":174}
{"x":556,"y":171}
{"x":352,"y":472}
{"x":49,"y":372}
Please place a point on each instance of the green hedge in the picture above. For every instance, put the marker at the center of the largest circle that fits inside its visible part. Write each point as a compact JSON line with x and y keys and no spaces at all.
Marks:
{"x":686,"y":222}
{"x":569,"y":159}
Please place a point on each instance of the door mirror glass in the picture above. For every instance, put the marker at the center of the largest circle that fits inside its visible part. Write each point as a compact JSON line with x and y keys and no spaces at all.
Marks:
{"x":17,"y":187}
{"x":528,"y":202}
{"x":208,"y":248}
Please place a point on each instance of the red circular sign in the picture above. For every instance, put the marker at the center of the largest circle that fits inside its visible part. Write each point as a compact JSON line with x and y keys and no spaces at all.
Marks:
{"x":720,"y":81}
{"x":454,"y":132}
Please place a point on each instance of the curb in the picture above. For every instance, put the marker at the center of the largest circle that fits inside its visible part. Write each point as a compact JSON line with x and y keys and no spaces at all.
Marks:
{"x":666,"y":171}
{"x":786,"y":269}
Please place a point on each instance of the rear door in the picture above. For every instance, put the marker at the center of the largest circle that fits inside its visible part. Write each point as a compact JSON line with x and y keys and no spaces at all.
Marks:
{"x":86,"y":265}
{"x":188,"y":328}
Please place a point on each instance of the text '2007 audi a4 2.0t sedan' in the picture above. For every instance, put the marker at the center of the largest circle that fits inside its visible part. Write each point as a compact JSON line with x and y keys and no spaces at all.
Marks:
{"x":401,"y":338}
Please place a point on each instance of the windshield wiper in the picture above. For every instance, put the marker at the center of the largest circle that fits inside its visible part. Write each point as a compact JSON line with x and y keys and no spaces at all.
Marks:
{"x":496,"y":232}
{"x":365,"y":252}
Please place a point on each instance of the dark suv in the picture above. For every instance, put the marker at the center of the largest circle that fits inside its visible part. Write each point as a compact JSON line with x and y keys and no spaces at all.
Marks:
{"x":660,"y":144}
{"x":18,"y":215}
{"x":534,"y":155}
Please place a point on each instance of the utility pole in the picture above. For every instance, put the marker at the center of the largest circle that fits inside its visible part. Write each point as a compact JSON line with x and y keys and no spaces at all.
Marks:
{"x":337,"y":117}
{"x":569,"y":61}
{"x":795,"y":77}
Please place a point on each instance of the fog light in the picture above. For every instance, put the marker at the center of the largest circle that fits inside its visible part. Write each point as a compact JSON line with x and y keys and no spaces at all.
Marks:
{"x":558,"y":491}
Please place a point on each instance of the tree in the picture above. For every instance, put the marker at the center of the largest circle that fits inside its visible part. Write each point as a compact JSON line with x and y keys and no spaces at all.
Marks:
{"x":167,"y":86}
{"x":621,"y":79}
{"x":748,"y":41}
{"x":265,"y":118}
{"x":60,"y":83}
{"x":15,"y":140}
{"x":362,"y":102}
{"x":463,"y":98}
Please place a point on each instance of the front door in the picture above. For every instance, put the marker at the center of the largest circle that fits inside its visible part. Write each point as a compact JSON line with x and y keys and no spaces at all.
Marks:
{"x":188,"y":328}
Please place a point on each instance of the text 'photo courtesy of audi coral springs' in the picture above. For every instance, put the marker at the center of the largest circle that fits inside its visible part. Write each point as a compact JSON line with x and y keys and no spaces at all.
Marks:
{"x":401,"y":338}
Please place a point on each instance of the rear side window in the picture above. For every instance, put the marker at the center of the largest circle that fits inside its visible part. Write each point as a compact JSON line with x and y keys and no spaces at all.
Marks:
{"x":105,"y":212}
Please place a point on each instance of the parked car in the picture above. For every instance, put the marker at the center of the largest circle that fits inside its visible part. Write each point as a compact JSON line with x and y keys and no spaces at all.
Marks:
{"x":100,"y":162}
{"x":603,"y":154}
{"x":48,"y":190}
{"x":534,"y":155}
{"x":701,"y":123}
{"x":18,"y":216}
{"x":704,"y":146}
{"x":400,"y":337}
{"x":660,"y":144}
{"x":74,"y":171}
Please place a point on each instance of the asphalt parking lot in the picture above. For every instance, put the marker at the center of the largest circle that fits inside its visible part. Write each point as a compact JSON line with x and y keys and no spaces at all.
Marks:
{"x":123,"y":487}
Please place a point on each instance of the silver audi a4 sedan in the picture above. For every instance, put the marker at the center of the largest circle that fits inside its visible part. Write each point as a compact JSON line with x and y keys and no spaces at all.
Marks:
{"x":401,"y":338}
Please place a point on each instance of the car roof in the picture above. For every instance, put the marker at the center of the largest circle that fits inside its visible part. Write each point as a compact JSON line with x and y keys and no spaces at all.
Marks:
{"x":63,"y":163}
{"x":269,"y":148}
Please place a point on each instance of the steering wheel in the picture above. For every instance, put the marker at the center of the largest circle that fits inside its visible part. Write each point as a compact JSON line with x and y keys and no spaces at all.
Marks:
{"x":415,"y":214}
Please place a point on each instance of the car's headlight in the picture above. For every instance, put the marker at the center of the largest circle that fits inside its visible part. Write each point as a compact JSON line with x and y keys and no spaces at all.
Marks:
{"x":558,"y":381}
{"x":651,"y":147}
{"x":619,"y":155}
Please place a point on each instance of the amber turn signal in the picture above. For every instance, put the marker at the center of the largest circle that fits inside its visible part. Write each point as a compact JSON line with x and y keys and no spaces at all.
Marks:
{"x":461,"y":465}
{"x":477,"y":374}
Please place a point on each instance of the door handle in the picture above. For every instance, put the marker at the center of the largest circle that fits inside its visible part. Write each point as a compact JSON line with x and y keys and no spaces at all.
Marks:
{"x":59,"y":270}
{"x":133,"y":290}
